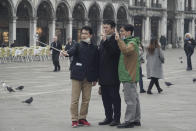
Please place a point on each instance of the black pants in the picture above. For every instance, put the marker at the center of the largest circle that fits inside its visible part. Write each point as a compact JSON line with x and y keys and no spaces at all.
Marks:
{"x":189,"y":53}
{"x":152,"y":82}
{"x":112,"y":102}
{"x":55,"y":59}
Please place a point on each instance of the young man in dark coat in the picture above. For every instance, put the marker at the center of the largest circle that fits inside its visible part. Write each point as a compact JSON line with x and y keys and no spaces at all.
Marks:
{"x":55,"y":54}
{"x":84,"y":75}
{"x":108,"y":75}
{"x":163,"y":42}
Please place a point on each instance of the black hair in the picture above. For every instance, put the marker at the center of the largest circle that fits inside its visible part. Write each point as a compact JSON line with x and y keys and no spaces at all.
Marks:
{"x":129,"y":27}
{"x":109,"y":22}
{"x":87,"y":28}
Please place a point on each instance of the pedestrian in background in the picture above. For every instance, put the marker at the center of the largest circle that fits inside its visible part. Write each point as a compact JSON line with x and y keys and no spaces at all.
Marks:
{"x":141,"y":59}
{"x":55,"y":54}
{"x":163,"y":42}
{"x":189,"y":45}
{"x":155,"y":59}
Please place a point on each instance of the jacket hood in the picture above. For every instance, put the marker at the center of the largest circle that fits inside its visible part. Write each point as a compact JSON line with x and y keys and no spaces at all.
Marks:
{"x":135,"y":39}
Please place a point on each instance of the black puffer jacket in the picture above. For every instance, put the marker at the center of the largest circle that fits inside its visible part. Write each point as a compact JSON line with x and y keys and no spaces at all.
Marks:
{"x":85,"y":61}
{"x":109,"y":54}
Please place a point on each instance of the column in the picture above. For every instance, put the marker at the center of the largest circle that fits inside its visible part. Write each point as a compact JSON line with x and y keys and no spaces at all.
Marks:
{"x":148,"y":3}
{"x":131,"y":2}
{"x":32,"y":32}
{"x":86,"y":21}
{"x":147,"y":30}
{"x":51,"y":30}
{"x":69,"y":28}
{"x":131,"y":19}
{"x":12,"y":30}
{"x":179,"y":30}
{"x":163,"y":25}
{"x":193,"y":28}
{"x":100,"y":30}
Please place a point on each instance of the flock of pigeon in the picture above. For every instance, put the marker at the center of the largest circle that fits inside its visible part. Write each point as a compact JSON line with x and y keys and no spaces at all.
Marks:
{"x":19,"y":88}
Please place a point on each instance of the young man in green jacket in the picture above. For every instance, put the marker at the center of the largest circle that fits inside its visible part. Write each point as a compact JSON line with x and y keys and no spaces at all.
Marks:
{"x":128,"y":70}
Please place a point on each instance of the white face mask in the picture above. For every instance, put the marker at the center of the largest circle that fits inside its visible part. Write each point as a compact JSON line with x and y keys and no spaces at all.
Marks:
{"x":88,"y":40}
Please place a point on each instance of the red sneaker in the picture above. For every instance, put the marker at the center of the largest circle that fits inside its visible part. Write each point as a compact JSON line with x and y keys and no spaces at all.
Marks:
{"x":84,"y":122}
{"x":74,"y":124}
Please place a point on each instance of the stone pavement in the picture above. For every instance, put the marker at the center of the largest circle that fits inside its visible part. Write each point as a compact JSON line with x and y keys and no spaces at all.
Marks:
{"x":173,"y":110}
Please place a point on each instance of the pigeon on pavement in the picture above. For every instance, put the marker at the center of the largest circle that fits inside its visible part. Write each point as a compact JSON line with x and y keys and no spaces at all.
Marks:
{"x":194,"y":80}
{"x":20,"y":88}
{"x":168,"y":84}
{"x":10,"y":89}
{"x":28,"y":101}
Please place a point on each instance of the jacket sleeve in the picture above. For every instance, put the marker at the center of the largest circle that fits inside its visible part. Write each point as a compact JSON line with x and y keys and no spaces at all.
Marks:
{"x":126,"y":49}
{"x":161,"y":56}
{"x":72,"y":51}
{"x":111,"y":45}
{"x":97,"y":63}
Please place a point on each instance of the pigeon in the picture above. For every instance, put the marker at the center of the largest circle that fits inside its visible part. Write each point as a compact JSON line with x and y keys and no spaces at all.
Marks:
{"x":143,"y":75}
{"x":194,"y":80}
{"x":28,"y":101}
{"x":10,"y":89}
{"x":20,"y":88}
{"x":168,"y":83}
{"x":181,"y":59}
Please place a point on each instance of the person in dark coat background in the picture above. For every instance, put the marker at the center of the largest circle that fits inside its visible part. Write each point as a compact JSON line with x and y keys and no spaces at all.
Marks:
{"x":109,"y":54}
{"x":163,"y":42}
{"x":189,"y":45}
{"x":55,"y":54}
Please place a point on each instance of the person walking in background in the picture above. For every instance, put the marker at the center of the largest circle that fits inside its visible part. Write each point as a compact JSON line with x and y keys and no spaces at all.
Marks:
{"x":84,"y":75}
{"x":141,"y":59}
{"x":128,"y":70}
{"x":163,"y":42}
{"x":68,"y":46}
{"x":155,"y":59}
{"x":108,"y":75}
{"x":55,"y":54}
{"x":189,"y":45}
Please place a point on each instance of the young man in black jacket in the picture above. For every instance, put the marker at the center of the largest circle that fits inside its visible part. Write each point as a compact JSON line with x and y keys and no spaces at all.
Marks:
{"x":55,"y":54}
{"x":108,"y":75}
{"x":84,"y":75}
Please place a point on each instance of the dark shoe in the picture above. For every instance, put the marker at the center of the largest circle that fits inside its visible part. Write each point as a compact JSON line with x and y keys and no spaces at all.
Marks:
{"x":142,"y":91}
{"x":137,"y":123}
{"x":160,"y":90}
{"x":126,"y":125}
{"x":54,"y":70}
{"x":149,"y":92}
{"x":114,"y":123}
{"x":84,"y":122}
{"x":105,"y":122}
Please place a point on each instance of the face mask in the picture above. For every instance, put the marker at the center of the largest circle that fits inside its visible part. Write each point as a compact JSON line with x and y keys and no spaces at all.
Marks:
{"x":88,"y":40}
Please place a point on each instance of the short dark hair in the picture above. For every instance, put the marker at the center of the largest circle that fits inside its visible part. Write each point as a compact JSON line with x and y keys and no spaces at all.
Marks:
{"x":110,"y":22}
{"x":87,"y":28}
{"x":129,"y":27}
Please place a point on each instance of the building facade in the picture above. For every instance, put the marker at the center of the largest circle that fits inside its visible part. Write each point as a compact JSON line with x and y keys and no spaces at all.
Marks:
{"x":20,"y":20}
